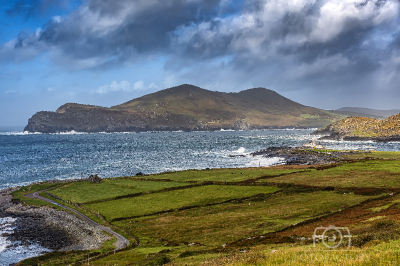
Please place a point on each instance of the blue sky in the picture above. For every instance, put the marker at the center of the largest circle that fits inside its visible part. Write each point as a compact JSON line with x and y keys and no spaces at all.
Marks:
{"x":327,"y":54}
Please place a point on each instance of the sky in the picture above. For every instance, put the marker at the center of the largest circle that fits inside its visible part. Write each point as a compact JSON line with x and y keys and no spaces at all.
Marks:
{"x":326,"y":54}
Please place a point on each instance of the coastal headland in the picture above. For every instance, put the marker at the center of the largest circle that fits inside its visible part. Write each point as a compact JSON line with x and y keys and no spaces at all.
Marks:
{"x":223,"y":216}
{"x":362,"y":129}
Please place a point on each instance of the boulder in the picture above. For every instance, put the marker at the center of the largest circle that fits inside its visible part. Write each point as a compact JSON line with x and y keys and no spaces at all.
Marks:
{"x":94,"y":178}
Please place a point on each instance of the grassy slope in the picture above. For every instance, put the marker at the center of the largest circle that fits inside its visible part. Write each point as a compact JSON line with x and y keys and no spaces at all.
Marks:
{"x":166,"y":236}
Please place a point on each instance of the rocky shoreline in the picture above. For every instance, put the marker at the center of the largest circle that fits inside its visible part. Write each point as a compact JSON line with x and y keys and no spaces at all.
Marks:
{"x":48,"y":227}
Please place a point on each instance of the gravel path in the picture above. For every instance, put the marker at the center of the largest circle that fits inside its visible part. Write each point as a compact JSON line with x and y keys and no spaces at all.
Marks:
{"x":121,"y":241}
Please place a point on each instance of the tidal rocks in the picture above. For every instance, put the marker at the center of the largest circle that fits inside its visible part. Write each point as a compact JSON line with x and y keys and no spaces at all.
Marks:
{"x":298,"y":155}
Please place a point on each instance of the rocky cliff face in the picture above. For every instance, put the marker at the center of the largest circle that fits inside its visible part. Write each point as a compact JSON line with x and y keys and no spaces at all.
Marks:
{"x":362,"y":128}
{"x":186,"y":108}
{"x":85,"y":120}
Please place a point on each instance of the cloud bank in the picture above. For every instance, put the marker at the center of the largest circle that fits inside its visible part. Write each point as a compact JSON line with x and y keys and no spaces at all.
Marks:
{"x":348,"y":46}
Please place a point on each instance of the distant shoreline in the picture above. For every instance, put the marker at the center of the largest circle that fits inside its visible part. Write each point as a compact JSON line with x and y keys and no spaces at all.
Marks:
{"x":154,"y":131}
{"x":173,"y":130}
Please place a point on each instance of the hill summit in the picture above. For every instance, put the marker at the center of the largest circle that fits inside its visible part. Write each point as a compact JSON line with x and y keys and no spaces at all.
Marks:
{"x":185,"y":107}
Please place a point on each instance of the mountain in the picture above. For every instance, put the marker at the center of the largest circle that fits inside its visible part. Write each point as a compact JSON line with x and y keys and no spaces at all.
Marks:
{"x":185,"y":107}
{"x":366,"y":112}
{"x":363,"y":128}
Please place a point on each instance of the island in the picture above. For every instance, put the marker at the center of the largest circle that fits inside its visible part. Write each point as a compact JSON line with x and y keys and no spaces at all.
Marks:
{"x":187,"y":108}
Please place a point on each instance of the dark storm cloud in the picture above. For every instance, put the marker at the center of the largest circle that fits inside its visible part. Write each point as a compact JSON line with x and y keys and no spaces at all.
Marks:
{"x":116,"y":31}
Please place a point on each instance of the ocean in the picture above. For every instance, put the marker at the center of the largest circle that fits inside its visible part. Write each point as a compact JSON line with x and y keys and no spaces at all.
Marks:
{"x":28,"y":158}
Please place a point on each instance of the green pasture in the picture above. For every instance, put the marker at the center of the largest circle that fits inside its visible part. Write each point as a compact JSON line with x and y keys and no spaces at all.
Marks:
{"x":216,"y":225}
{"x":363,"y":174}
{"x":222,"y":175}
{"x":84,"y":192}
{"x":156,"y":202}
{"x":395,"y":155}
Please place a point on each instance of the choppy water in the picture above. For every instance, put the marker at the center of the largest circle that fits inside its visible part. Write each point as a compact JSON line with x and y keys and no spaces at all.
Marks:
{"x":28,"y":158}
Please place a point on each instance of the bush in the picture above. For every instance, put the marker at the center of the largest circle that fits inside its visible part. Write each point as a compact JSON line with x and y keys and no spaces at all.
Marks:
{"x":384,"y":224}
{"x":157,"y":261}
{"x":384,"y":230}
{"x":361,"y":240}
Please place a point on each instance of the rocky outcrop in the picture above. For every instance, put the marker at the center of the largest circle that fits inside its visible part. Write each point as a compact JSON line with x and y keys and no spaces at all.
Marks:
{"x":362,"y":129}
{"x":241,"y":125}
{"x":94,"y":179}
{"x":84,"y":119}
{"x":299,"y":155}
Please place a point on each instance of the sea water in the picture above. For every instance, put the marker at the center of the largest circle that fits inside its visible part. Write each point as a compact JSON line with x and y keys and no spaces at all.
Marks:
{"x":27,"y":158}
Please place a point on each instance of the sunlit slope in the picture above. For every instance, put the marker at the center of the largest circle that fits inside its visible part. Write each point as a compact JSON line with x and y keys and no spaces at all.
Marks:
{"x":362,"y":128}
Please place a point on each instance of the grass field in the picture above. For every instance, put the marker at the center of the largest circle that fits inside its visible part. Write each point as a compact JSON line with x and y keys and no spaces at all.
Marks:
{"x":228,"y":174}
{"x":215,"y":225}
{"x":239,"y":221}
{"x":376,"y":154}
{"x":84,"y":192}
{"x":157,"y":202}
{"x":370,"y":173}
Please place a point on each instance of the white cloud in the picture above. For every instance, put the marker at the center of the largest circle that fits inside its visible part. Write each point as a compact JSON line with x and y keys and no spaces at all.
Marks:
{"x":153,"y":86}
{"x":57,"y":19}
{"x":124,"y":86}
{"x":139,"y":85}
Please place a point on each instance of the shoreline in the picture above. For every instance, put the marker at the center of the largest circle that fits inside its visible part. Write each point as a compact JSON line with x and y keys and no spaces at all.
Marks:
{"x":45,"y":228}
{"x":72,"y":132}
